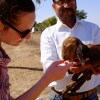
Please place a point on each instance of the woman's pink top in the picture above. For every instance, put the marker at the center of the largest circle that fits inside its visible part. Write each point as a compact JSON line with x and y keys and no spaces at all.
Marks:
{"x":4,"y":78}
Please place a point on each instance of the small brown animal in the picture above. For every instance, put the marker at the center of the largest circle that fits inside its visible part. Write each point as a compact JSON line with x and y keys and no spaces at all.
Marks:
{"x":74,"y":50}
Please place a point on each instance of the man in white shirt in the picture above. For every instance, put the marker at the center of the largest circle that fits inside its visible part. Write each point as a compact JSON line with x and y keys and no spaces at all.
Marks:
{"x":51,"y":42}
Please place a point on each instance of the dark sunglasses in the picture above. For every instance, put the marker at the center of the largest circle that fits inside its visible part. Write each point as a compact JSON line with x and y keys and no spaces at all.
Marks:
{"x":23,"y":34}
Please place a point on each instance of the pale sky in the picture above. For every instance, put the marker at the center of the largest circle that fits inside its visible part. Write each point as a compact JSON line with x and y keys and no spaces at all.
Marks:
{"x":92,"y":7}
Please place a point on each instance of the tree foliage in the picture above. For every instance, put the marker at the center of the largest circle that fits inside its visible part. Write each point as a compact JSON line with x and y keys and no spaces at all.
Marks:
{"x":81,"y":14}
{"x":46,"y":23}
{"x":39,"y":1}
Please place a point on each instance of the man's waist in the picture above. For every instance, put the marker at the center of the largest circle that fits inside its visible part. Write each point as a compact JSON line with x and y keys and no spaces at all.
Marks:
{"x":88,"y":85}
{"x":80,"y":95}
{"x":81,"y":90}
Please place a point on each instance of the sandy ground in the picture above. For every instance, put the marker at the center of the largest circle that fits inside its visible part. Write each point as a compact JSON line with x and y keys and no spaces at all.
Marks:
{"x":25,"y":68}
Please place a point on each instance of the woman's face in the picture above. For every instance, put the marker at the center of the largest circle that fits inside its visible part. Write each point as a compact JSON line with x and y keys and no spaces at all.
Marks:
{"x":12,"y":37}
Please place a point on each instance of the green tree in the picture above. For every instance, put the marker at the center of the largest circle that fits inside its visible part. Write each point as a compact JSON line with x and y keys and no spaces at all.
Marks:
{"x":81,"y":14}
{"x":48,"y":22}
{"x":39,"y":1}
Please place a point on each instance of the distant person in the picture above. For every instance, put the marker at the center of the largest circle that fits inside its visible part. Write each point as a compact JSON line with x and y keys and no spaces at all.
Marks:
{"x":51,"y":48}
{"x":17,"y":18}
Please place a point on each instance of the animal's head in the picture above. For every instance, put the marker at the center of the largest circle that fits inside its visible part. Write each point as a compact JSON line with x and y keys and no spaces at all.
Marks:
{"x":73,"y":49}
{"x":69,"y":48}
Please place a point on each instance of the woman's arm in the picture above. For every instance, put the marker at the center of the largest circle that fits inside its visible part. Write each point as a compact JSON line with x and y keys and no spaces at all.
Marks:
{"x":56,"y":71}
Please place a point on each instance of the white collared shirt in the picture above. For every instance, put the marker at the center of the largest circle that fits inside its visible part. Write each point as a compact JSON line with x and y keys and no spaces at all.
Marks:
{"x":51,"y":48}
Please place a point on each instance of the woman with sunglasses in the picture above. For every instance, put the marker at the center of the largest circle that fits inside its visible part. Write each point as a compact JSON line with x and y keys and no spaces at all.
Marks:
{"x":17,"y":18}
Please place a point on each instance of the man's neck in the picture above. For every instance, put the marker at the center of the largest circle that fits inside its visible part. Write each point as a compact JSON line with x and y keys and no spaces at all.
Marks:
{"x":70,"y":22}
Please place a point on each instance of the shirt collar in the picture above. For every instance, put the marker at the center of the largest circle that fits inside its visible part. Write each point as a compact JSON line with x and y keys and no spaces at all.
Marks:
{"x":59,"y":24}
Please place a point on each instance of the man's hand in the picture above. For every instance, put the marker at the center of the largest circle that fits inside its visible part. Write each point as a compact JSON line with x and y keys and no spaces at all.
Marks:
{"x":76,"y":68}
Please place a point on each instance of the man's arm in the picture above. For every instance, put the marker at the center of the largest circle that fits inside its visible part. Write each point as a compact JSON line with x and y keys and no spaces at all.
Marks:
{"x":48,"y":49}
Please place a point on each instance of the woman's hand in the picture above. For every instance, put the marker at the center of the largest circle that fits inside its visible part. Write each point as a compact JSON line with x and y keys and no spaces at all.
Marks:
{"x":57,"y":70}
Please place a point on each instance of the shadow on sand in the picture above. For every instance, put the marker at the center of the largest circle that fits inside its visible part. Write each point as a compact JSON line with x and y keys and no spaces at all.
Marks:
{"x":26,"y":68}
